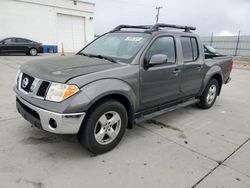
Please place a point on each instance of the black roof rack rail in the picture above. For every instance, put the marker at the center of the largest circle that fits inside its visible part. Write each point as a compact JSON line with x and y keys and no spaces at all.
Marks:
{"x":152,"y":28}
{"x":119,"y":27}
{"x":156,"y":27}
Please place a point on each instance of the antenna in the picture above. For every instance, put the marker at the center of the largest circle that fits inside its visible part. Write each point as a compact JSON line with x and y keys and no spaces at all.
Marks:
{"x":158,"y":13}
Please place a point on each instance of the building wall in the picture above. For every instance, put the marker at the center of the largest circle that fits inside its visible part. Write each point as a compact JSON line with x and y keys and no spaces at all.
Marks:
{"x":37,"y":19}
{"x":230,"y":45}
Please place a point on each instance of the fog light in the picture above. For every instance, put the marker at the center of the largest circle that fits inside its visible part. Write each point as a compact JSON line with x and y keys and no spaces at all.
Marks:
{"x":52,"y":123}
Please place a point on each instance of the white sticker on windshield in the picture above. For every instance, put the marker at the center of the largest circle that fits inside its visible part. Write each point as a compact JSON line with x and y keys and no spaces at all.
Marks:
{"x":134,"y":39}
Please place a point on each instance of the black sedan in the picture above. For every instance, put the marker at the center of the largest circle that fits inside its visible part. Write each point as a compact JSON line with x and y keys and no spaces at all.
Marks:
{"x":20,"y":45}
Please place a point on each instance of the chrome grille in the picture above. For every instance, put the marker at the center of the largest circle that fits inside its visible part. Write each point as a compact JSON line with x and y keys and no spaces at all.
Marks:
{"x":43,"y":89}
{"x":35,"y":88}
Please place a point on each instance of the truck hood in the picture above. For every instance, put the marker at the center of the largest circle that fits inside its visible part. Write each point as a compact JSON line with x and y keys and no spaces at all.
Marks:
{"x":61,"y":69}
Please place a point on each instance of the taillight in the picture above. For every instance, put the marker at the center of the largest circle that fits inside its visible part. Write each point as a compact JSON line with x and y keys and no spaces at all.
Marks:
{"x":39,"y":45}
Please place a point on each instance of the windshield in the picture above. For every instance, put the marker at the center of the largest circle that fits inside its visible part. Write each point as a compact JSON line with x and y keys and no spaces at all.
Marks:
{"x":119,"y":46}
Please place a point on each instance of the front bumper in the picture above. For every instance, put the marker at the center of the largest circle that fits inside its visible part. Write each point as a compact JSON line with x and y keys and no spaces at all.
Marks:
{"x":40,"y":49}
{"x":48,"y":120}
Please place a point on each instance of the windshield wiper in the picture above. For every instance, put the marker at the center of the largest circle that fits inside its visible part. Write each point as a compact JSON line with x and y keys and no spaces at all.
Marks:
{"x":100,"y":57}
{"x":106,"y":58}
{"x":80,"y":53}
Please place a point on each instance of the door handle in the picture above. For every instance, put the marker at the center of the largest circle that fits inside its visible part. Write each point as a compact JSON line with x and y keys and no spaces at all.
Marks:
{"x":176,"y":71}
{"x":199,"y":67}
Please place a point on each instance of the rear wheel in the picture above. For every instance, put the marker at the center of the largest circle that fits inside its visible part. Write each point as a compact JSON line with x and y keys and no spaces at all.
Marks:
{"x":104,"y":127}
{"x":33,"y":52}
{"x":209,"y":95}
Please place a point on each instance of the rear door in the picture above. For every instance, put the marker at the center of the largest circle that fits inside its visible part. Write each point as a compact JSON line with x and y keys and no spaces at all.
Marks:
{"x":192,"y":70}
{"x":161,"y":83}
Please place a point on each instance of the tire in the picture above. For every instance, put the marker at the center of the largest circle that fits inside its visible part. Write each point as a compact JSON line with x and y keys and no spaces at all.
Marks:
{"x":103,"y":127}
{"x":209,"y":95}
{"x":33,"y":52}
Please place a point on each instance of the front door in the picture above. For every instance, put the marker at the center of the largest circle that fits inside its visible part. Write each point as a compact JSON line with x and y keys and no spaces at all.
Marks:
{"x":9,"y":45}
{"x":160,"y":84}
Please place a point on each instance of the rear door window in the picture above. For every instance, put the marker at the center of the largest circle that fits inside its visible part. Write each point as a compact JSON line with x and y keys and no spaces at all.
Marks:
{"x":189,"y":49}
{"x":22,"y":41}
{"x":195,"y":48}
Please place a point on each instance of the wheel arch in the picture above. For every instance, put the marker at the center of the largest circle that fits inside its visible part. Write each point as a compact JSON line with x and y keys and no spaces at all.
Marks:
{"x":120,"y":98}
{"x":214,"y":73}
{"x":115,"y":89}
{"x":219,"y":80}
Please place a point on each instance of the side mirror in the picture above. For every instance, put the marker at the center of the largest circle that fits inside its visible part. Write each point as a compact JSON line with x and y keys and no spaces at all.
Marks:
{"x":2,"y":42}
{"x":158,"y":59}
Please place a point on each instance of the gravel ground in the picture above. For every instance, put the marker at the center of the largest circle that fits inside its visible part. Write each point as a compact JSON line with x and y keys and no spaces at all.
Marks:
{"x":242,"y":63}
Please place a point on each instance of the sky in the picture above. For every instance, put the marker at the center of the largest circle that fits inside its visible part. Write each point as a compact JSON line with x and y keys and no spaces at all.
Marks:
{"x":222,"y":17}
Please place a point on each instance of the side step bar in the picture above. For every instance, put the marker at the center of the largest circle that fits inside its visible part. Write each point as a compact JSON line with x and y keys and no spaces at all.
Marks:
{"x":166,"y":110}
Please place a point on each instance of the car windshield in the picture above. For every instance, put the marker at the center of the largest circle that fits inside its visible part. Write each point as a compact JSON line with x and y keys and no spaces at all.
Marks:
{"x":118,"y":46}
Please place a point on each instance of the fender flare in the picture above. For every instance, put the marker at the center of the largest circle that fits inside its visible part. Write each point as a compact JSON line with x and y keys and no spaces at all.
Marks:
{"x":102,"y":88}
{"x":213,"y":71}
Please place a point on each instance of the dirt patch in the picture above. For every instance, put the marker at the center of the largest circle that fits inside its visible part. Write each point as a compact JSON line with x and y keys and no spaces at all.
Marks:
{"x":152,"y":121}
{"x":242,"y":63}
{"x":238,"y":179}
{"x":39,"y":140}
{"x":33,"y":183}
{"x":183,"y":136}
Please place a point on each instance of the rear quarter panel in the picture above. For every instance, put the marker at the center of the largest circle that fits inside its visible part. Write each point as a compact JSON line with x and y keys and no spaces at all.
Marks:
{"x":223,"y":63}
{"x":220,"y":66}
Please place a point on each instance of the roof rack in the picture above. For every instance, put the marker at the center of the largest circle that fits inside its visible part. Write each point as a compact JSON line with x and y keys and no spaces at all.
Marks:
{"x":152,"y":28}
{"x":157,"y":27}
{"x":119,"y":27}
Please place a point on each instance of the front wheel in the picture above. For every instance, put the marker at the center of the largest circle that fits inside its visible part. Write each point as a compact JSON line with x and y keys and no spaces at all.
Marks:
{"x":33,"y":52}
{"x":209,"y":95}
{"x":104,"y":127}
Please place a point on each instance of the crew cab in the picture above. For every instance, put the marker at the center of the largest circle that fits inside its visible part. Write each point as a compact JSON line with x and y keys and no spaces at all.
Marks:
{"x":127,"y":75}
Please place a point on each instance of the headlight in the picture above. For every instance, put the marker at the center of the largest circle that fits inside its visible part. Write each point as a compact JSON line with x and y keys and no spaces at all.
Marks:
{"x":17,"y":77}
{"x":58,"y":92}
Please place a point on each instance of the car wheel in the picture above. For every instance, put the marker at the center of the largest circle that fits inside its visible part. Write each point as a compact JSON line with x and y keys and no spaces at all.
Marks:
{"x":104,"y":127}
{"x":209,"y":95}
{"x":33,"y":52}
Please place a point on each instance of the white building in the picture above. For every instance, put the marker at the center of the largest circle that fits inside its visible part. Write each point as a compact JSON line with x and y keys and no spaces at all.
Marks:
{"x":51,"y":22}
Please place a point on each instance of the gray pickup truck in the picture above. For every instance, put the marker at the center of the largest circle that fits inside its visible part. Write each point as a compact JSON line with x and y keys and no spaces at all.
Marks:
{"x":129,"y":74}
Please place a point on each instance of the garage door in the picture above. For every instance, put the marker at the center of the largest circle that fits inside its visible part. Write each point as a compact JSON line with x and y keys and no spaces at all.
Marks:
{"x":70,"y":32}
